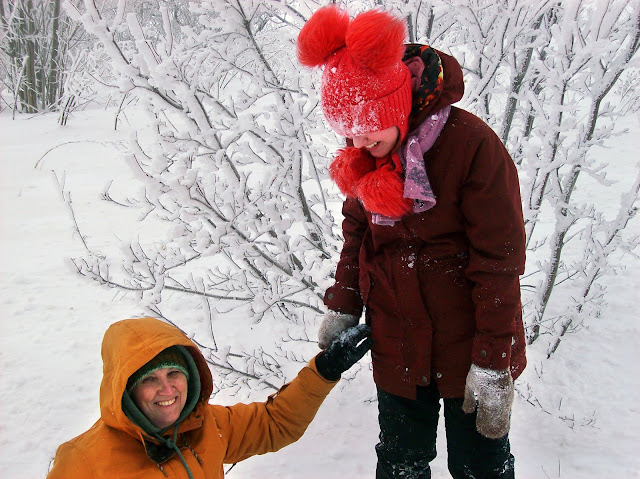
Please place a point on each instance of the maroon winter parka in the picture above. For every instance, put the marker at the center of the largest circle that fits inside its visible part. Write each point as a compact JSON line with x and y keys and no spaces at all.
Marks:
{"x":441,"y":288}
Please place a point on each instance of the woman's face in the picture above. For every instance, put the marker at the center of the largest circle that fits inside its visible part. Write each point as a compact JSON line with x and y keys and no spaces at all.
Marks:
{"x":378,"y":143}
{"x":161,"y":395}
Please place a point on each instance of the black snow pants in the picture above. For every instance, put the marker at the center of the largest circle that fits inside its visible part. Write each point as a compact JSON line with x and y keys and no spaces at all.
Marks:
{"x":408,"y":439}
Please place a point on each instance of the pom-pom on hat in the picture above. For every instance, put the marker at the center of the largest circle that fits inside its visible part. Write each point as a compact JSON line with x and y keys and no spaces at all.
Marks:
{"x":168,"y":358}
{"x":365,"y":85}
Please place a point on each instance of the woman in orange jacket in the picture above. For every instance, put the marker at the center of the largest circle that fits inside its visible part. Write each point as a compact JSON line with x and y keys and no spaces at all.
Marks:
{"x":156,"y":420}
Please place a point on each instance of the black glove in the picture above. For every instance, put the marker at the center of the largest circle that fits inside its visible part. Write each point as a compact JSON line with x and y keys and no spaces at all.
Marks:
{"x":344,"y":352}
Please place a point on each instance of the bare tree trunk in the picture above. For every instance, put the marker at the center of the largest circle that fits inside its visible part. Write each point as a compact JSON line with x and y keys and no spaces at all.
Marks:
{"x":52,"y":88}
{"x":412,"y":34}
{"x":35,"y":40}
{"x":30,"y":72}
{"x":430,"y":18}
{"x":26,"y":45}
{"x":516,"y":85}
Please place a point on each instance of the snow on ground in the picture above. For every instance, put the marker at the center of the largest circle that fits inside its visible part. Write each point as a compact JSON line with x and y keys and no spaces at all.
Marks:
{"x":586,"y":425}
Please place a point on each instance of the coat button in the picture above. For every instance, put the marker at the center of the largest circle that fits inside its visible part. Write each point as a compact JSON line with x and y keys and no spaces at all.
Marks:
{"x":504,"y":355}
{"x":424,"y":379}
{"x":330,"y":295}
{"x":438,"y":375}
{"x":483,"y":353}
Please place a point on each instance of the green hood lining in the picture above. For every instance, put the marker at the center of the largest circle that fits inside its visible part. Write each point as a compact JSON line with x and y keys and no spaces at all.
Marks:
{"x":162,"y":454}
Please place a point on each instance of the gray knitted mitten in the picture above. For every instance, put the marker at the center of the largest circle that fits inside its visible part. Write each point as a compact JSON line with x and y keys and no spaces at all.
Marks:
{"x":492,"y":393}
{"x":332,"y":325}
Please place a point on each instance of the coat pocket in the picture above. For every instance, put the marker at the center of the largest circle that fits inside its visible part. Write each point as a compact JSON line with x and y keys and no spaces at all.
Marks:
{"x":448,"y":297}
{"x":382,"y":312}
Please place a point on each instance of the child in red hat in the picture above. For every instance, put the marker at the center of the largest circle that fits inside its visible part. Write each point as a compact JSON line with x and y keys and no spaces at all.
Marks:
{"x":434,"y":244}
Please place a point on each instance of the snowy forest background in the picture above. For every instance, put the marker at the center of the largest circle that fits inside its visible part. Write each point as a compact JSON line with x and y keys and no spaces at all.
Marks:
{"x":200,"y":195}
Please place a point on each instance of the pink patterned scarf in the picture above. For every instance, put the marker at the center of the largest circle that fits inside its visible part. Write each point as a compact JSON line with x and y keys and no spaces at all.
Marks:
{"x":416,"y":182}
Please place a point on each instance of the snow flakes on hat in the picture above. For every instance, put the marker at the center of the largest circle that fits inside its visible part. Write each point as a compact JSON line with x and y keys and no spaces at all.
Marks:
{"x":365,"y":85}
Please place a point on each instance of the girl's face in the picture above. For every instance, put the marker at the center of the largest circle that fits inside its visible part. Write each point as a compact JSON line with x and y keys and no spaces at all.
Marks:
{"x":161,"y":396}
{"x":378,"y":143}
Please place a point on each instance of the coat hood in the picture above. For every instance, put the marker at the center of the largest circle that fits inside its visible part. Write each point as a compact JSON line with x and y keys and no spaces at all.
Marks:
{"x":126,"y":347}
{"x":431,"y":95}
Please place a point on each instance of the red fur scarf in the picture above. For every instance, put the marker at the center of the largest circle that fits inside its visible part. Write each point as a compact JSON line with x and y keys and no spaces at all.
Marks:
{"x":376,"y":182}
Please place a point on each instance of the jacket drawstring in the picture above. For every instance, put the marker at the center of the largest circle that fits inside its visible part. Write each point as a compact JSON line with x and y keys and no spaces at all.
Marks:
{"x":172,"y":443}
{"x":195,"y":454}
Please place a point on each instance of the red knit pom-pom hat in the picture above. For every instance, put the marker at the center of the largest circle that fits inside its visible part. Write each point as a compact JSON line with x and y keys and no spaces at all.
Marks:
{"x":365,"y":85}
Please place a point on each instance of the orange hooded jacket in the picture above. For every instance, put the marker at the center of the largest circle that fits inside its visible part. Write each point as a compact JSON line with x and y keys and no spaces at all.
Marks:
{"x":115,"y":447}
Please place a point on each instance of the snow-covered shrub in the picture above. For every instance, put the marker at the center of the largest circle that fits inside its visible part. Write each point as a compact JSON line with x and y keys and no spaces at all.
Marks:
{"x":232,"y":159}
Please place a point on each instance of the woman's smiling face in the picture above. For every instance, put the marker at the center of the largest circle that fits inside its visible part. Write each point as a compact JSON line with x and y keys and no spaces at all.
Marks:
{"x":378,"y":143}
{"x":161,"y":395}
